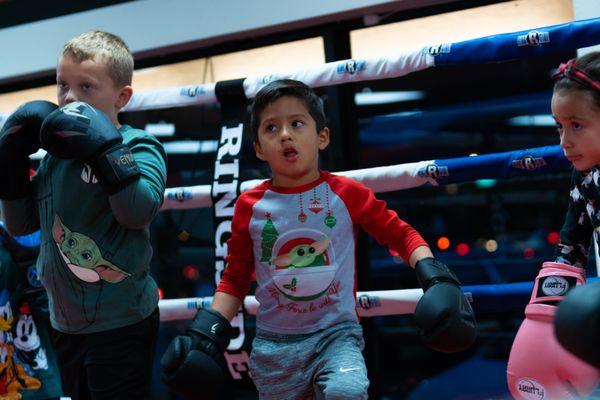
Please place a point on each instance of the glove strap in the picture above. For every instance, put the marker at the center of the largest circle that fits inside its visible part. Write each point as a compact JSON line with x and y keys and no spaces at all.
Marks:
{"x":431,"y":271}
{"x":554,"y":281}
{"x":116,"y":168}
{"x":211,"y":324}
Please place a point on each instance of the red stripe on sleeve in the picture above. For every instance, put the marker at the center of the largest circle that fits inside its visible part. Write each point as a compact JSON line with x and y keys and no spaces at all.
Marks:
{"x":239,"y":272}
{"x":375,"y":218}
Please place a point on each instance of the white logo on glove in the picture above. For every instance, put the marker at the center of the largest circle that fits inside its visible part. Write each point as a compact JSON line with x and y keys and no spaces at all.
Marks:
{"x":87,"y":175}
{"x":530,"y":389}
{"x":76,"y":109}
{"x":555,"y":286}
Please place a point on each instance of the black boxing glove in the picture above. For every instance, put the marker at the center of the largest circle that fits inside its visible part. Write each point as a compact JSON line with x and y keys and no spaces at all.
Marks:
{"x":81,"y":132}
{"x":19,"y":138}
{"x":193,"y":364}
{"x":443,"y":315}
{"x":577,"y":323}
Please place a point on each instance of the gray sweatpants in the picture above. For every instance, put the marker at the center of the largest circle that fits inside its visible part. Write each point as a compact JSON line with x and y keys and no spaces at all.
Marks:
{"x":327,"y":364}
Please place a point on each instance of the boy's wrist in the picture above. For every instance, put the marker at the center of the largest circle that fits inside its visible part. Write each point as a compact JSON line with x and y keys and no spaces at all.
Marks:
{"x":116,"y":169}
{"x":431,"y":271}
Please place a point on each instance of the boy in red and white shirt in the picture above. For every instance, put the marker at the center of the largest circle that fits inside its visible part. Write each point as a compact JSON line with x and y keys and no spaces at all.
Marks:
{"x":297,"y":232}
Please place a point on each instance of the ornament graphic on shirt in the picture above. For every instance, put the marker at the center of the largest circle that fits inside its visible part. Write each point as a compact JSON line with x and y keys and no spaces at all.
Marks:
{"x":269,"y":235}
{"x":316,"y":207}
{"x":315,"y":203}
{"x":302,"y":266}
{"x":330,"y":220}
{"x":302,"y":215}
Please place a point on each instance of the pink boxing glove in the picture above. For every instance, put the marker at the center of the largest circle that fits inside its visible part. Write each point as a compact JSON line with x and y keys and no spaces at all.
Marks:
{"x":538,"y":366}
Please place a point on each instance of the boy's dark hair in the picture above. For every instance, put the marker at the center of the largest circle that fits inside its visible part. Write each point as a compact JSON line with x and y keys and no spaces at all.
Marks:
{"x":286,"y":87}
{"x":590,"y":65}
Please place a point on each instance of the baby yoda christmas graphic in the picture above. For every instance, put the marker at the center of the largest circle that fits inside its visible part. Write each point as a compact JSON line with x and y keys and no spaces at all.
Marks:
{"x":302,"y":262}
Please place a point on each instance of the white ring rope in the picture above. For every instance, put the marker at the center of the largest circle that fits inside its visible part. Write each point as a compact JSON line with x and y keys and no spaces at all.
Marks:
{"x":379,"y":179}
{"x":368,"y":304}
{"x":331,"y":73}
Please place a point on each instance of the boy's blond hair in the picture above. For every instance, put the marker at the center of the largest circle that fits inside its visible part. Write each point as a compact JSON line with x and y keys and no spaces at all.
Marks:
{"x":107,"y":47}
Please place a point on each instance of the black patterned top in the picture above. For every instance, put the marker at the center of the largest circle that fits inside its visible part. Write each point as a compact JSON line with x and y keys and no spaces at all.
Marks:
{"x":582,"y":219}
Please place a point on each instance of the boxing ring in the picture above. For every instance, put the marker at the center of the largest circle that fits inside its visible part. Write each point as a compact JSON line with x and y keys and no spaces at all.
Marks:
{"x":507,"y":165}
{"x":232,"y":95}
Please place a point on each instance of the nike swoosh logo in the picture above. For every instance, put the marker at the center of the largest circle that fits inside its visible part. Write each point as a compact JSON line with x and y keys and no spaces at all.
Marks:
{"x":342,"y":369}
{"x":213,"y":328}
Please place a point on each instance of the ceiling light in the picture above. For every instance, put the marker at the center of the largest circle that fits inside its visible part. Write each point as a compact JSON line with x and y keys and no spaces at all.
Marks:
{"x":163,"y":129}
{"x":532,"y":120}
{"x":374,"y":98}
{"x":191,"y":146}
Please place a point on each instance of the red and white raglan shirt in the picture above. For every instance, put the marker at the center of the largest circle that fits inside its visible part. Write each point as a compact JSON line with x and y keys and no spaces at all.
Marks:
{"x":301,"y":244}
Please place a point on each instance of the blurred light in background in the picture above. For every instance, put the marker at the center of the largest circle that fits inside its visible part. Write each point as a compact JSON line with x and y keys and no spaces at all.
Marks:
{"x":532,"y":120}
{"x":368,"y":98}
{"x":553,"y":238}
{"x":443,"y":243}
{"x":462,"y":249}
{"x":163,"y":129}
{"x":491,"y":245}
{"x":191,"y":272}
{"x":528,"y":252}
{"x":485,"y":183}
